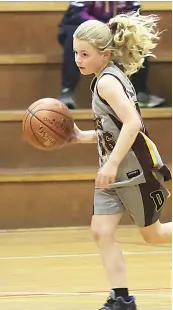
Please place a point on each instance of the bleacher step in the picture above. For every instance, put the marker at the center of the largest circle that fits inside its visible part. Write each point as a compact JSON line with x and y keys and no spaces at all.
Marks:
{"x":48,"y":175}
{"x":27,"y":201}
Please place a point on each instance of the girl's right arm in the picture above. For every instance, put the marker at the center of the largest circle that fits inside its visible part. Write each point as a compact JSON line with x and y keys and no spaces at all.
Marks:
{"x":83,"y":136}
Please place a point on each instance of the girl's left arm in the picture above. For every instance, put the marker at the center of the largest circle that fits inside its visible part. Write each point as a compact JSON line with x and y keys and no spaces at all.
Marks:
{"x":111,"y":90}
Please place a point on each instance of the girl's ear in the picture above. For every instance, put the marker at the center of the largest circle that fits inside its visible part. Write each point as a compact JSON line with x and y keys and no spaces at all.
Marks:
{"x":106,"y":54}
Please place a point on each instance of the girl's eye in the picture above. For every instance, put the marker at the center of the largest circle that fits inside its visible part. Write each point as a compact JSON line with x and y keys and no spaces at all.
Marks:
{"x":82,"y":54}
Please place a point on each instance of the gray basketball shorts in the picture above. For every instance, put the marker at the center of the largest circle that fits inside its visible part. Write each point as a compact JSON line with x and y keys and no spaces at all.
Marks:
{"x":144,"y":202}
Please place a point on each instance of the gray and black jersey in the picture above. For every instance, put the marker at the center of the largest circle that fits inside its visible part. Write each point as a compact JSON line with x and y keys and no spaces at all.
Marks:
{"x":143,"y":157}
{"x":138,"y":187}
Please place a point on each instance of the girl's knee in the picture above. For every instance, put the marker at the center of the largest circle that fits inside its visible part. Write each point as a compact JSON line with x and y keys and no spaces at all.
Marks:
{"x":102,"y":233}
{"x":152,"y":234}
{"x":103,"y":228}
{"x":149,"y":239}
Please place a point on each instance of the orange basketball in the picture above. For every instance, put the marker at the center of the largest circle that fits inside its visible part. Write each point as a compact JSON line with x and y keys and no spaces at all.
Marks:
{"x":47,"y":124}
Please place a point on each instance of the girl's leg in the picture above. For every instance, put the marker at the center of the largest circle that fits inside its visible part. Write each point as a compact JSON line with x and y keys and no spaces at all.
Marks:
{"x":108,"y":210}
{"x":104,"y":232}
{"x":157,"y":233}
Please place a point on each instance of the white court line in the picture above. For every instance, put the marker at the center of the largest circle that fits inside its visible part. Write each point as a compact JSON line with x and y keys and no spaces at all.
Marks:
{"x":80,"y":255}
{"x":42,"y":294}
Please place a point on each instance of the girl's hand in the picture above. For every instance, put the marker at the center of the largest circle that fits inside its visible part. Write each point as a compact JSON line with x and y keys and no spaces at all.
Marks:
{"x":106,"y":175}
{"x":76,"y":136}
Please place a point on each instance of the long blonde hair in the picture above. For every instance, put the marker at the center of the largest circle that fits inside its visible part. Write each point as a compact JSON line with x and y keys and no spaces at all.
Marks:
{"x":130,"y":38}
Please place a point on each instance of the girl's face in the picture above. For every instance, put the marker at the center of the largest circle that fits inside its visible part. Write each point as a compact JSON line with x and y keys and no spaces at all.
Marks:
{"x":88,"y":59}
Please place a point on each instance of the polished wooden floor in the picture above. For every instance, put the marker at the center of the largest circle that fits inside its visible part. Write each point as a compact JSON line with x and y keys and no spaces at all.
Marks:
{"x":59,"y":269}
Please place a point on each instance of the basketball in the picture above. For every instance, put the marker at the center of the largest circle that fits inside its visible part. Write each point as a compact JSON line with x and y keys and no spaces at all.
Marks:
{"x":47,"y":124}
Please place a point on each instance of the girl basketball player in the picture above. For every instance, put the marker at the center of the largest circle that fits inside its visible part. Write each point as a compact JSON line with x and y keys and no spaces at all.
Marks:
{"x":131,"y":173}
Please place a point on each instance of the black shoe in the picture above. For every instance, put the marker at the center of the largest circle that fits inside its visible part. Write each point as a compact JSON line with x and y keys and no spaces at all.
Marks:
{"x":67,"y":98}
{"x":119,"y":303}
{"x":149,"y":101}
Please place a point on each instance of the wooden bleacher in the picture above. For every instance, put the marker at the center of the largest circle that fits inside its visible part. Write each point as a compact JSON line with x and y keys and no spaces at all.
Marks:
{"x":58,"y":186}
{"x":32,"y":57}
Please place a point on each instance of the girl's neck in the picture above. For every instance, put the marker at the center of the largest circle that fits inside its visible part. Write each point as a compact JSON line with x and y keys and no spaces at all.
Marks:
{"x":102,"y":68}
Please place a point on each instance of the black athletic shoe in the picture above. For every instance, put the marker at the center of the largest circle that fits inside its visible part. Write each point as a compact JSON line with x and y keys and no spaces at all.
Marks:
{"x":67,"y":98}
{"x":119,"y":303}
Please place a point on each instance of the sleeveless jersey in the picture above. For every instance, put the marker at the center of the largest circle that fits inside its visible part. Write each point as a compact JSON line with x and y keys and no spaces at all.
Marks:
{"x":143,"y":157}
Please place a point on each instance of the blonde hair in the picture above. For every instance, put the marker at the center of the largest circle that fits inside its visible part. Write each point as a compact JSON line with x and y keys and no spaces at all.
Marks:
{"x":130,"y":37}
